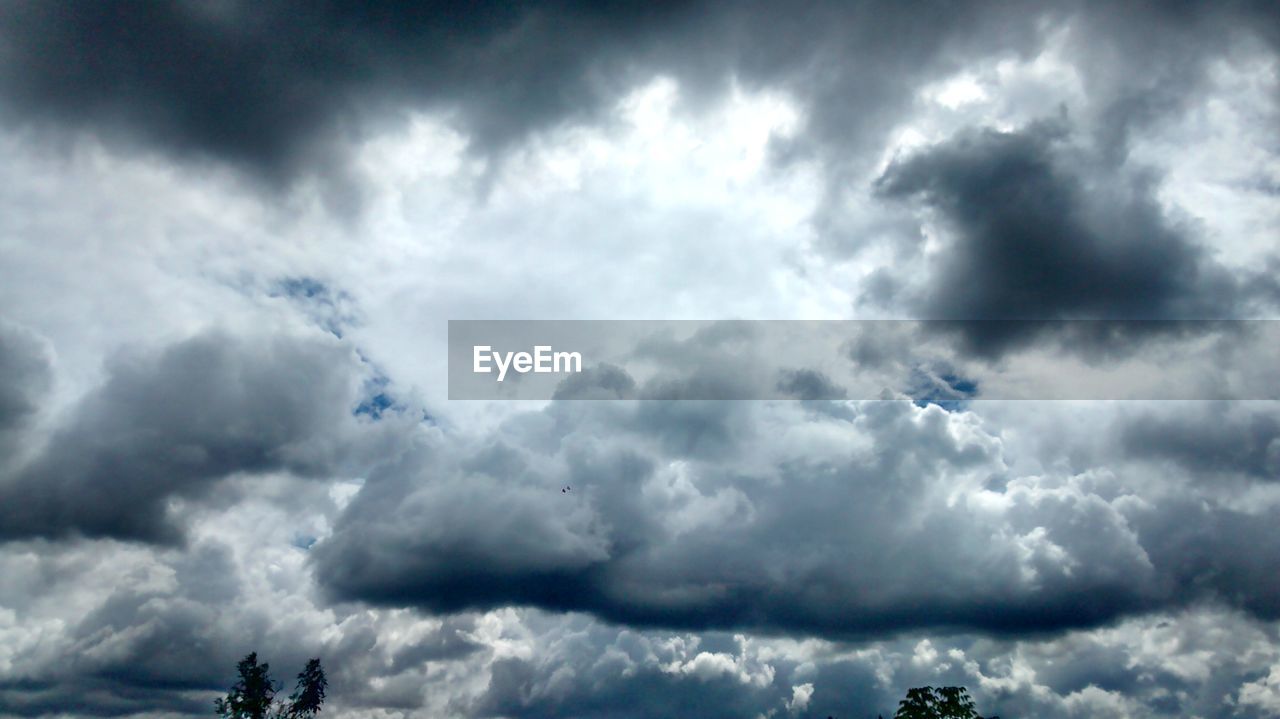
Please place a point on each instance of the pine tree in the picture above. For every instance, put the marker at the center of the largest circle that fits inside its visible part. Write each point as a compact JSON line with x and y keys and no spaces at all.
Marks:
{"x":253,"y":695}
{"x":306,"y":699}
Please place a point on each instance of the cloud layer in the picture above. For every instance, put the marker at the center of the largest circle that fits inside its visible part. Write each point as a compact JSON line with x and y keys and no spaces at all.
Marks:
{"x":166,"y":428}
{"x":231,"y":235}
{"x":703,"y":515}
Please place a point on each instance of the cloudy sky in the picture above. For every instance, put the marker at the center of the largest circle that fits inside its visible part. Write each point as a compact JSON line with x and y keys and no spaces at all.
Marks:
{"x":232,"y":234}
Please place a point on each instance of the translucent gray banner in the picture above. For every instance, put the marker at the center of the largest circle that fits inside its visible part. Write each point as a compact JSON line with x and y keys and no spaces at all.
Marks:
{"x":943,"y":361}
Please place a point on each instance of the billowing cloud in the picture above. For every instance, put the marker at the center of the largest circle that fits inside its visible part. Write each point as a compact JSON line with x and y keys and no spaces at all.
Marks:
{"x":1039,"y":231}
{"x":272,"y":89}
{"x":328,"y":183}
{"x":165,"y":428}
{"x":1222,"y":439}
{"x":703,"y":515}
{"x":280,"y":90}
{"x":25,"y":374}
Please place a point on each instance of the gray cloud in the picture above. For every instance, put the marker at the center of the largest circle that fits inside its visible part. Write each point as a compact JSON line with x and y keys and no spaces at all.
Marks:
{"x":278,"y":494}
{"x":693,"y":515}
{"x":1213,"y":552}
{"x":1223,"y":439}
{"x":599,"y":671}
{"x":807,"y":384}
{"x":284,"y":90}
{"x":140,"y":649}
{"x":25,"y":375}
{"x":578,"y":668}
{"x":272,"y":88}
{"x":1042,"y":231}
{"x":166,"y":427}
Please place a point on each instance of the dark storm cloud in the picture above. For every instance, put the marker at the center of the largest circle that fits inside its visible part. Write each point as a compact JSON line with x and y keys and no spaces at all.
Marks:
{"x":575,"y":671}
{"x":807,"y":384}
{"x":167,"y":427}
{"x":1144,"y":62}
{"x":1219,"y":440}
{"x":720,"y":515}
{"x":605,"y":671}
{"x":139,"y":650}
{"x":603,"y":381}
{"x":1040,"y":230}
{"x":622,"y":679}
{"x":282,"y":87}
{"x":1139,"y":63}
{"x":511,"y":693}
{"x":1207,"y":551}
{"x":448,"y":643}
{"x":146,"y":648}
{"x":25,"y":376}
{"x":861,"y":519}
{"x":267,"y":87}
{"x":103,"y":697}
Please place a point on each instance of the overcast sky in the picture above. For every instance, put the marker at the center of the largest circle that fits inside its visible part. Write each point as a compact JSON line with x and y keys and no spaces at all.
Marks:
{"x":232,"y":233}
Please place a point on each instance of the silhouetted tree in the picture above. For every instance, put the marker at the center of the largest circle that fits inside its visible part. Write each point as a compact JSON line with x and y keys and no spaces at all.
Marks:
{"x":306,"y":699}
{"x":250,"y":697}
{"x":939,"y":703}
{"x":253,"y":694}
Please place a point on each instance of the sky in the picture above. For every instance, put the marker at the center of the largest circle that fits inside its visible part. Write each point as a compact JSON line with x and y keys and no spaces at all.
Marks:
{"x":232,"y":235}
